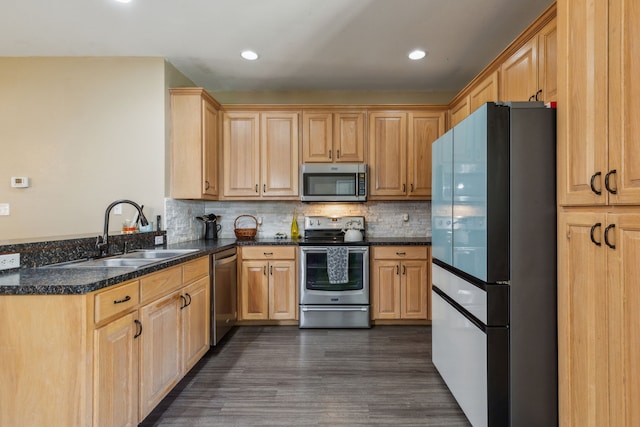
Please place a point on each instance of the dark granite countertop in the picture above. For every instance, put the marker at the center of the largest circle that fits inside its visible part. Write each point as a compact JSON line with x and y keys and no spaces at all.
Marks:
{"x":73,"y":281}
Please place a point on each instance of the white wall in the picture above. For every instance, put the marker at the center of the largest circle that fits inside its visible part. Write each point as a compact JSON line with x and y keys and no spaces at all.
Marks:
{"x":86,"y":131}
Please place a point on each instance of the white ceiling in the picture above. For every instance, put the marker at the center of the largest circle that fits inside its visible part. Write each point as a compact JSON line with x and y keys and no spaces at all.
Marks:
{"x":303,"y":44}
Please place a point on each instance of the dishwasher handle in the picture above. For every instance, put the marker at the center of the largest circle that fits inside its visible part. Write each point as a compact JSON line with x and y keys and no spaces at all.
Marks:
{"x":227,"y":260}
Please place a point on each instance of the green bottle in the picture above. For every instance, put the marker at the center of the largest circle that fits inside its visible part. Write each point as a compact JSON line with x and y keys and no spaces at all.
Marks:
{"x":294,"y":227}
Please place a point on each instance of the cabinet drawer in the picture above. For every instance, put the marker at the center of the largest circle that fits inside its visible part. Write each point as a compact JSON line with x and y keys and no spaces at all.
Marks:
{"x":117,"y":300}
{"x":399,"y":252}
{"x":269,"y":252}
{"x":160,"y":283}
{"x":193,"y":270}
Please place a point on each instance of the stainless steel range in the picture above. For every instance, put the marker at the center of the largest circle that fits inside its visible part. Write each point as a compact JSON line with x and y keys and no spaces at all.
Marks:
{"x":334,"y":274}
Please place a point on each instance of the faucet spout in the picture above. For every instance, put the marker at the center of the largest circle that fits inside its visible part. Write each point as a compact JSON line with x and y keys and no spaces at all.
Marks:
{"x":102,"y":243}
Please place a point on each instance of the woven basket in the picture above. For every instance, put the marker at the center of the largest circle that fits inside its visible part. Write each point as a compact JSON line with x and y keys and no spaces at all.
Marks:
{"x":245,"y":233}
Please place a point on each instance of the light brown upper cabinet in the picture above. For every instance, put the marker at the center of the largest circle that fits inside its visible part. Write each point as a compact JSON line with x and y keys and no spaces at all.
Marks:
{"x":261,"y":154}
{"x":459,"y":111}
{"x":484,"y":91}
{"x":400,"y":155}
{"x":530,"y":73}
{"x":480,"y":92}
{"x":329,"y":137}
{"x":598,"y":127}
{"x":194,"y":144}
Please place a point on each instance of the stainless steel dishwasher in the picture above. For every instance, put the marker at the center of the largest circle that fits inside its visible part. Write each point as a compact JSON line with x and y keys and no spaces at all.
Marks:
{"x":223,"y":294}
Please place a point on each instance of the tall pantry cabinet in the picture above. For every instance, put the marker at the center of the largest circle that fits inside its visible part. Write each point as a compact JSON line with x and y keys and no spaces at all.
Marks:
{"x":599,"y":212}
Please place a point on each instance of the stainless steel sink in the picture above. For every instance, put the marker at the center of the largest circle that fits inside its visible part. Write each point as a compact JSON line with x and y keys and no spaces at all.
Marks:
{"x":135,"y":259}
{"x":156,"y":253}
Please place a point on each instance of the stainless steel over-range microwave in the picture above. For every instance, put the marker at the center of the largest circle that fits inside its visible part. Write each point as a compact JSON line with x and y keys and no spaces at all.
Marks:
{"x":333,"y":182}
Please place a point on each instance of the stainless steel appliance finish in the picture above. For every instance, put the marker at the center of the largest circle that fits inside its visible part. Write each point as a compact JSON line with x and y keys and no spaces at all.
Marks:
{"x":324,"y":304}
{"x":224,"y":311}
{"x":333,"y":182}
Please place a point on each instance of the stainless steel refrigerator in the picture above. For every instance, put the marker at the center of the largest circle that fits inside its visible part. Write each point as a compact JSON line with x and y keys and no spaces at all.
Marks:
{"x":494,"y":264}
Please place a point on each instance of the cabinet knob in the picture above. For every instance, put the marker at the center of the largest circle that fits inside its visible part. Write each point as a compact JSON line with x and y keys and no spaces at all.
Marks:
{"x":206,"y":185}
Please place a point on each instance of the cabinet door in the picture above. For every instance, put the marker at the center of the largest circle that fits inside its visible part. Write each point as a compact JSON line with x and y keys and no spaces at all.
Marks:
{"x":583,"y":355}
{"x":459,"y":111}
{"x":209,"y":149}
{"x":519,"y":73}
{"x":115,"y":387}
{"x":254,"y":291}
{"x":424,"y":129}
{"x":388,"y":138}
{"x":279,"y":136}
{"x":413,"y":290}
{"x":624,"y":319}
{"x":194,"y":144}
{"x":241,"y":146}
{"x":196,"y":320}
{"x":385,"y":289}
{"x":582,"y":102}
{"x":317,"y":137}
{"x":483,"y":92}
{"x":624,"y":104}
{"x":348,"y":137}
{"x":160,"y":364}
{"x":283,"y":301}
{"x":548,"y":62}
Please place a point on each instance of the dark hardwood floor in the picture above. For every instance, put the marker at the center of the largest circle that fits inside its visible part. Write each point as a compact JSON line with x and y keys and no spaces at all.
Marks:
{"x":285,"y":376}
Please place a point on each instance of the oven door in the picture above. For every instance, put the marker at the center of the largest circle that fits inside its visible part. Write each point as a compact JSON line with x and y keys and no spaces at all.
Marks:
{"x":315,"y":287}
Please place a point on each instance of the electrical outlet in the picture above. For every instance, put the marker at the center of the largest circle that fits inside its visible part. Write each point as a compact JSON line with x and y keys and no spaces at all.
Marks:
{"x":9,"y":261}
{"x":159,"y":240}
{"x":117,"y":209}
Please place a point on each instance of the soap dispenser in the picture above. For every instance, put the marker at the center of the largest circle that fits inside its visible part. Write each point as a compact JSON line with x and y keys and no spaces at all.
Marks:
{"x":294,"y":227}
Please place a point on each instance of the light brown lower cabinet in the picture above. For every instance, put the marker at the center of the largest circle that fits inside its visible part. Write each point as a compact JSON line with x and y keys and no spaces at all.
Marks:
{"x":268,"y":286}
{"x":400,"y":284}
{"x":105,"y":358}
{"x":598,"y":318}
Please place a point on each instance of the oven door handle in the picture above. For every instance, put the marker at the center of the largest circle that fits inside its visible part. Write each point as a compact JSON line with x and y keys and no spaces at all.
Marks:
{"x":334,"y":308}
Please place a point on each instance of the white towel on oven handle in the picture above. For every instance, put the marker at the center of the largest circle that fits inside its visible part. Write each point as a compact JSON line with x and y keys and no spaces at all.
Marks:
{"x":338,"y":264}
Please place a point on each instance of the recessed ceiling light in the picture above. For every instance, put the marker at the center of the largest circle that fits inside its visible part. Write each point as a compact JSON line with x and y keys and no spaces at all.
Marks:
{"x":249,"y":55}
{"x":123,"y":1}
{"x":417,"y":54}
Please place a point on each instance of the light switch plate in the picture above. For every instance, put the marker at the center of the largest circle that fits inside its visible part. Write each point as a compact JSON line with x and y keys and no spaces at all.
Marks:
{"x":4,"y":209}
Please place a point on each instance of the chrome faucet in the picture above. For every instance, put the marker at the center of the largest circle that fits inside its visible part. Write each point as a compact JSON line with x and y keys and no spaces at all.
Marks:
{"x":102,"y":242}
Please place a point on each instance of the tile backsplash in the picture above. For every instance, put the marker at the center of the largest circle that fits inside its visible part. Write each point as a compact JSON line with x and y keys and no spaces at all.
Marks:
{"x":383,"y":219}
